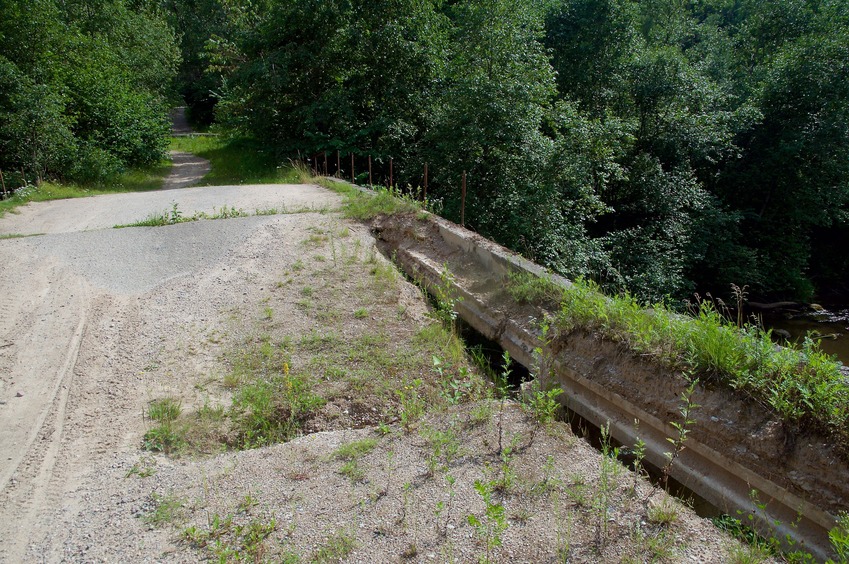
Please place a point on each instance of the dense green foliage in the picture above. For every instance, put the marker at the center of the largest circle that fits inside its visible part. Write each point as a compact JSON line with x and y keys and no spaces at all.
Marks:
{"x":657,"y":146}
{"x":83,"y":88}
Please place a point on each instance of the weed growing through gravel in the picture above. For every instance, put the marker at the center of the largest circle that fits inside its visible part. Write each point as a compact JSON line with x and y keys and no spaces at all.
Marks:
{"x":492,"y":523}
{"x":350,"y":454}
{"x":664,"y":512}
{"x":164,"y":436}
{"x":167,"y":510}
{"x":278,"y":384}
{"x":144,"y":468}
{"x":335,"y":548}
{"x":175,"y":215}
{"x":229,"y":541}
{"x":271,"y":409}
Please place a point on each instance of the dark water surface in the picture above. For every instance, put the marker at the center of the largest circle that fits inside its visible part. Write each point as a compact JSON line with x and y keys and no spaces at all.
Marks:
{"x":832,"y":325}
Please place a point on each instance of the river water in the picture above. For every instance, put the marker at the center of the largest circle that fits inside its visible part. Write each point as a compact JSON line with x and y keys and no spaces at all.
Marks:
{"x":831,"y":327}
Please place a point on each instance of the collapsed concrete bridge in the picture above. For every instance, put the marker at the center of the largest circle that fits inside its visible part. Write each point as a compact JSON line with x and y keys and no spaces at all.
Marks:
{"x":736,"y":451}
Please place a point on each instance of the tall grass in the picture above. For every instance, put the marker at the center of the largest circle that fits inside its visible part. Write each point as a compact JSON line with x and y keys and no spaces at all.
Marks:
{"x":802,"y":385}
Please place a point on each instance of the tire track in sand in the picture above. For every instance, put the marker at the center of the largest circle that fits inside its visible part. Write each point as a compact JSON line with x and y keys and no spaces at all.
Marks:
{"x":49,"y":327}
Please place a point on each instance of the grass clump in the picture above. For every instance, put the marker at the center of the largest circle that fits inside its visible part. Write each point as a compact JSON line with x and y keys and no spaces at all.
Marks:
{"x":168,"y":509}
{"x":664,"y":512}
{"x":228,"y":541}
{"x":366,"y":204}
{"x":270,"y":407}
{"x":355,"y":449}
{"x":165,"y":435}
{"x":351,"y":453}
{"x":335,"y":548}
{"x":524,"y":287}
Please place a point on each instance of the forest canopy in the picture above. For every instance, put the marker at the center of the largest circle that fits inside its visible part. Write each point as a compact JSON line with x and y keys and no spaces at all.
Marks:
{"x":660,"y":147}
{"x":84,"y":87}
{"x":657,"y":146}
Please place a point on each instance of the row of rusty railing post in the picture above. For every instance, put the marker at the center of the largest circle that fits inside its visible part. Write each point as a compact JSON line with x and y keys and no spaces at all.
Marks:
{"x":318,"y":169}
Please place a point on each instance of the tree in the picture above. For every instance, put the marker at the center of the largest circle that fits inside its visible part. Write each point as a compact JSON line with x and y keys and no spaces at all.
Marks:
{"x":84,"y":87}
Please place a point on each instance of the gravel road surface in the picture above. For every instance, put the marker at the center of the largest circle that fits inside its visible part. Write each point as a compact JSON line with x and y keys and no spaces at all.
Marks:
{"x":102,"y":212}
{"x":84,"y":307}
{"x":96,"y":322}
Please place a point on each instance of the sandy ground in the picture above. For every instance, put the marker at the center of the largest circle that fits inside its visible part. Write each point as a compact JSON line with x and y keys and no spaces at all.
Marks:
{"x":97,"y":322}
{"x":79,"y":303}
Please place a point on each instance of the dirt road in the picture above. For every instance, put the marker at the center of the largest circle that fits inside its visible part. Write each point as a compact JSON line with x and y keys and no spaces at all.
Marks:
{"x":85,"y":312}
{"x":96,"y":323}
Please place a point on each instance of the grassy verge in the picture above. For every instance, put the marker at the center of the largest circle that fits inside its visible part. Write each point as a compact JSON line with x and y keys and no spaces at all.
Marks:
{"x":138,"y":180}
{"x":175,"y":216}
{"x":803,"y":385}
{"x":364,"y":205}
{"x":236,"y":161}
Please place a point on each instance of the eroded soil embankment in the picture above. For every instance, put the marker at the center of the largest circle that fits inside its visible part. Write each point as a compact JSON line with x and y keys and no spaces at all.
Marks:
{"x":805,"y":466}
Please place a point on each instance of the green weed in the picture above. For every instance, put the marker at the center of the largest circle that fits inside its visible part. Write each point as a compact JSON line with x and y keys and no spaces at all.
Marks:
{"x":175,"y":216}
{"x":351,"y":453}
{"x":165,"y":436}
{"x":839,"y":537}
{"x":144,"y":468}
{"x":355,"y":450}
{"x":412,"y":404}
{"x":525,"y":287}
{"x":803,"y":386}
{"x":230,"y":542}
{"x":335,"y":548}
{"x":17,"y":235}
{"x":168,"y":509}
{"x":365,"y":205}
{"x":491,"y":525}
{"x":444,"y":449}
{"x":541,"y":404}
{"x":164,"y":410}
{"x":270,"y":410}
{"x":663,"y":513}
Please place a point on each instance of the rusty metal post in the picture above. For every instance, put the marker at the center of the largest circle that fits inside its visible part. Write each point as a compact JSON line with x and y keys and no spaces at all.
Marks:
{"x":424,"y":194}
{"x":369,"y":171}
{"x":325,"y":163}
{"x":3,"y":182}
{"x":391,"y":179}
{"x":353,"y":179}
{"x":338,"y":164}
{"x":463,"y":201}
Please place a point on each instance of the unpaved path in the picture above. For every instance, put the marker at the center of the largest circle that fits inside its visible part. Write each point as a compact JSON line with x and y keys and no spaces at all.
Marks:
{"x":179,"y":123}
{"x":97,"y":322}
{"x":103,"y":212}
{"x":82,"y":313}
{"x":187,"y":170}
